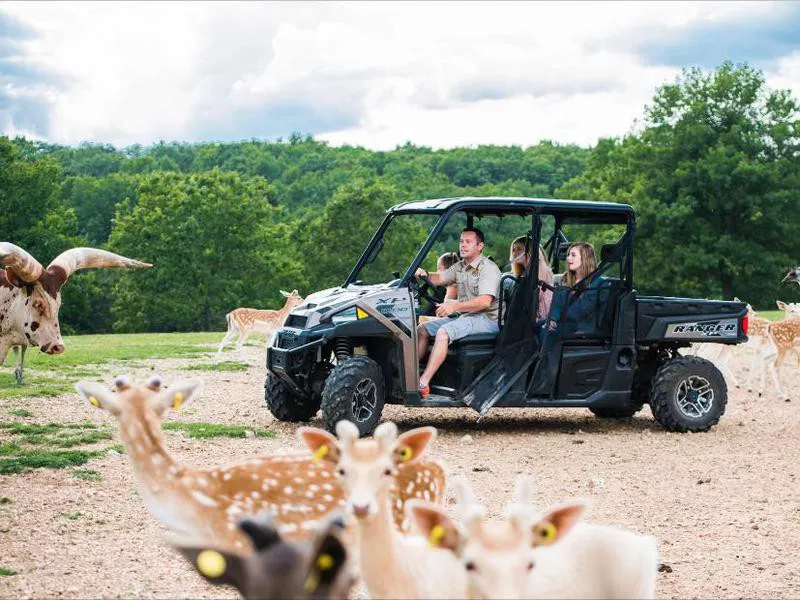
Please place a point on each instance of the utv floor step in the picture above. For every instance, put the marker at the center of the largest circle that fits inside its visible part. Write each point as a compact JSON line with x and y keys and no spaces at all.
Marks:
{"x":440,"y":401}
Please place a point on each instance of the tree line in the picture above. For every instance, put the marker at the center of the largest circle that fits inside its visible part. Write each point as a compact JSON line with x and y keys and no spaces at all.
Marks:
{"x":713,"y":171}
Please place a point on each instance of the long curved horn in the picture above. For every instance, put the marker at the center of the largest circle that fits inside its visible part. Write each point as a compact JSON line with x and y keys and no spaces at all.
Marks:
{"x":27,"y":268}
{"x":92,"y":258}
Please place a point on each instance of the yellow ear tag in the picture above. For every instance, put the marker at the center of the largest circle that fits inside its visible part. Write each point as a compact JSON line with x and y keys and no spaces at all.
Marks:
{"x":177,"y":401}
{"x":436,"y":536}
{"x":545,"y":532}
{"x":319,"y":454}
{"x":325,"y":562}
{"x":94,"y":401}
{"x":406,"y":454}
{"x":211,"y":563}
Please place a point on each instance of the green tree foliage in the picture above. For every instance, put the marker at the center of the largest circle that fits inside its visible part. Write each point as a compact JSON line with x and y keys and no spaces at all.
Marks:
{"x":714,"y":176}
{"x":210,"y":236}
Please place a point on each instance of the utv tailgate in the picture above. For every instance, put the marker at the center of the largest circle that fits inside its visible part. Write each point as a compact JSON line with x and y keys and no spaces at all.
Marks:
{"x":687,"y":320}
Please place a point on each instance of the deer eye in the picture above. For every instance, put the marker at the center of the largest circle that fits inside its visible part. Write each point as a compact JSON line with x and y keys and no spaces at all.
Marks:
{"x":470,"y":566}
{"x":387,"y":472}
{"x":340,"y":472}
{"x":530,"y":565}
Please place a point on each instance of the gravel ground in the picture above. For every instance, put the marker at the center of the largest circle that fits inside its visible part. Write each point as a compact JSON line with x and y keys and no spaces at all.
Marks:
{"x":724,"y":505}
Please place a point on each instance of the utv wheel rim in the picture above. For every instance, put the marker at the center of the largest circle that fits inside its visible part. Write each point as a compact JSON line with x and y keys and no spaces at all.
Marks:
{"x":695,"y":397}
{"x":365,"y":398}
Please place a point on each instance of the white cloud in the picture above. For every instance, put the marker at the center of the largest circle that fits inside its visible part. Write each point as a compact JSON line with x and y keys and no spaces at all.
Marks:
{"x":439,"y":74}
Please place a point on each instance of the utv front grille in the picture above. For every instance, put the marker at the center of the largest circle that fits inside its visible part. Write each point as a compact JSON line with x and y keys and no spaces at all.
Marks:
{"x":287,"y":339}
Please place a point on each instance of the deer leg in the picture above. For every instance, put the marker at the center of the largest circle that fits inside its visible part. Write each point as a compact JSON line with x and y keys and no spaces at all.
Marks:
{"x":753,"y":363}
{"x":231,"y":333}
{"x":767,"y":357}
{"x":243,"y":335}
{"x":725,"y":356}
{"x":776,"y":372}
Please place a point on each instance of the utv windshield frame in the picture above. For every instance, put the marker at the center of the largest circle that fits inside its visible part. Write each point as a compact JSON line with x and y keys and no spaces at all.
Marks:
{"x":564,"y":211}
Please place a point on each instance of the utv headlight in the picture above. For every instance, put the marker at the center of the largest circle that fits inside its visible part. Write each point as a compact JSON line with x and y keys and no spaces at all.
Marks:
{"x":350,"y":314}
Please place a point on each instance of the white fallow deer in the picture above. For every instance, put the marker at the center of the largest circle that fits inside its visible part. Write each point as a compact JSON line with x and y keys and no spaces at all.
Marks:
{"x":206,"y":505}
{"x":532,"y":555}
{"x":394,"y":564}
{"x":244,"y":321}
{"x":278,"y":568}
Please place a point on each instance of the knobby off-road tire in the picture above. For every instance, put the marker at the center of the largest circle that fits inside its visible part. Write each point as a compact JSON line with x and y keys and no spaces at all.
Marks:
{"x":286,"y":406}
{"x":688,"y":394}
{"x":354,"y":391}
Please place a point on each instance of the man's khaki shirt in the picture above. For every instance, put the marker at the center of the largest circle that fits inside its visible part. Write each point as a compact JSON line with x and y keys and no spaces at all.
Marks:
{"x":479,"y":277}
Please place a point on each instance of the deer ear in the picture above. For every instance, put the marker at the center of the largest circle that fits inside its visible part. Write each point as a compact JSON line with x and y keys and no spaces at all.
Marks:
{"x":99,"y":396}
{"x":326,"y":562}
{"x":781,"y":305}
{"x":411,"y":445}
{"x":322,"y":444}
{"x":284,"y":294}
{"x":176,"y":395}
{"x":557,"y":523}
{"x":217,"y":566}
{"x":262,"y":530}
{"x":434,"y":525}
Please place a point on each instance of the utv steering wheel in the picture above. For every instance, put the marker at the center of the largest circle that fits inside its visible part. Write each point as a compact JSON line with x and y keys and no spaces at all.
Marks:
{"x":424,"y":289}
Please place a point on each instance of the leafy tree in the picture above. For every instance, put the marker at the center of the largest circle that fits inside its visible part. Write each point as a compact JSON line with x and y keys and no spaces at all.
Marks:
{"x":714,"y":176}
{"x":211,"y":238}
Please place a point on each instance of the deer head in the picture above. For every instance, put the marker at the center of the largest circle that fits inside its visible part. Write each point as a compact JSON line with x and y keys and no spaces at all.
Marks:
{"x":293,"y":299}
{"x":792,"y":309}
{"x":498,"y":556}
{"x":278,"y":568}
{"x":369,"y":468}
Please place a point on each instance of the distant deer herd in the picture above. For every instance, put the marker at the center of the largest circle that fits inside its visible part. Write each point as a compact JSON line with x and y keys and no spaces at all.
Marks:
{"x":349,"y":513}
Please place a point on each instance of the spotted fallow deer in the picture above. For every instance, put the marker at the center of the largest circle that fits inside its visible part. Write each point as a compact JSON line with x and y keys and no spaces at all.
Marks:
{"x":244,"y":321}
{"x":772,"y":350}
{"x":539,"y":555}
{"x":206,"y":504}
{"x":393,"y":563}
{"x":30,"y":296}
{"x":278,"y":568}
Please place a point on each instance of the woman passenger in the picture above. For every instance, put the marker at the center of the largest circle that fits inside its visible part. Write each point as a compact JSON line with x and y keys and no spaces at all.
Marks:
{"x":521,"y":260}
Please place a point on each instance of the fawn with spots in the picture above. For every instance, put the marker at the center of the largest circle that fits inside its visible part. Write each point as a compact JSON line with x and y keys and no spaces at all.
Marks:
{"x":393,"y":564}
{"x":206,"y":505}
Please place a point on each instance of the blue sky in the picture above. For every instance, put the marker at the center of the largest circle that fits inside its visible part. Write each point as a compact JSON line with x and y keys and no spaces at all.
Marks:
{"x":378,"y":75}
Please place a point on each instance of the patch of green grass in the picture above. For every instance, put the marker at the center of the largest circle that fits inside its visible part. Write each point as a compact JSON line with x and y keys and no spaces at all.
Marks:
{"x":36,"y":385}
{"x":10,"y":449}
{"x":6,"y":572}
{"x":202,"y":431}
{"x":71,"y":516}
{"x":87,"y":475}
{"x":45,"y":459}
{"x":20,"y":412}
{"x":225,"y":365}
{"x":5,"y":500}
{"x":60,"y":435}
{"x":772,"y":315}
{"x":117,"y":447}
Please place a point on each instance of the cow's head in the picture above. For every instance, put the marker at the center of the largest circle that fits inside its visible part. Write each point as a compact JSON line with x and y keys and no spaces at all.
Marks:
{"x":41,"y":288}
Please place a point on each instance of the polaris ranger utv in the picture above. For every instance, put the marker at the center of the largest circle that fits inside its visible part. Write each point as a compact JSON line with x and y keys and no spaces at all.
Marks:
{"x":351,"y":349}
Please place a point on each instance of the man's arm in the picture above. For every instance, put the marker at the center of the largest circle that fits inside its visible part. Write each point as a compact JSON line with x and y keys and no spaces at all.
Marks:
{"x":477,"y":304}
{"x":436,"y":277}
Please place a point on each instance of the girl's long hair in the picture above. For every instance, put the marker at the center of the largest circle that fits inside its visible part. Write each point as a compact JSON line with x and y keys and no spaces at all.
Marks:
{"x":588,"y":264}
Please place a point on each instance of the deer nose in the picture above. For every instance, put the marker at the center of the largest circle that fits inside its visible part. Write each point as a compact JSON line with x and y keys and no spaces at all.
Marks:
{"x":360,"y":510}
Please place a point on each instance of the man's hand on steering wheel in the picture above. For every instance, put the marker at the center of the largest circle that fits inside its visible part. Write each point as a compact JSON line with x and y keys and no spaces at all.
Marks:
{"x":423,"y":287}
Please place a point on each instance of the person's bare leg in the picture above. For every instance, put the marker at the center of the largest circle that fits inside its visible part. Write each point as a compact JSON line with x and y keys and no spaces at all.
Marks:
{"x":422,"y":342}
{"x":435,"y":360}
